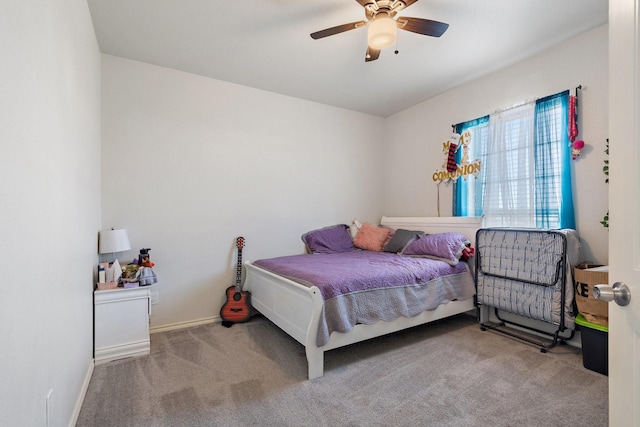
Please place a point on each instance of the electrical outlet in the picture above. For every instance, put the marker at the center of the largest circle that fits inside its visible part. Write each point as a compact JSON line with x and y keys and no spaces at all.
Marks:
{"x":155,"y":297}
{"x":48,"y":408}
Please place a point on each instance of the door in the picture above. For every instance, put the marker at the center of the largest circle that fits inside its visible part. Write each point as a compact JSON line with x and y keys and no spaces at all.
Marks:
{"x":624,"y":211}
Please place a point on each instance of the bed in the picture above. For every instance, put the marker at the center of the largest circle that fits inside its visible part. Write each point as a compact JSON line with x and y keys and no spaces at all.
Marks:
{"x":299,"y":308}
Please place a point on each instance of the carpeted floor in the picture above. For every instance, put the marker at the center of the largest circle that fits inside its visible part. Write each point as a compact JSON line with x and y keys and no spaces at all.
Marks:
{"x":448,"y":373}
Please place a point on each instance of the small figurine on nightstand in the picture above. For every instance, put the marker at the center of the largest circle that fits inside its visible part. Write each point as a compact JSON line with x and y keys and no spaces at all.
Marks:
{"x":145,"y":274}
{"x":143,"y":258}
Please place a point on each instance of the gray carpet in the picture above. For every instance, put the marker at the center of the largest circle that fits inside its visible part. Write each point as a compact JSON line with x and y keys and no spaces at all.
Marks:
{"x":448,"y":373}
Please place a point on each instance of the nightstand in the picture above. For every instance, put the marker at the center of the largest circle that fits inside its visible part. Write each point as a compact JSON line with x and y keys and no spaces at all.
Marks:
{"x":121,"y":323}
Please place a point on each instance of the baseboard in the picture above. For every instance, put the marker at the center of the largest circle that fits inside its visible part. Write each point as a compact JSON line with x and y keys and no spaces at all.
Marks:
{"x":83,"y":392}
{"x":107,"y":354}
{"x":183,"y":325}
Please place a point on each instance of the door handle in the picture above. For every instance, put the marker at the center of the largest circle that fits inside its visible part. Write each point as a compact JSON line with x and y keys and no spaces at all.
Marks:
{"x":619,"y":293}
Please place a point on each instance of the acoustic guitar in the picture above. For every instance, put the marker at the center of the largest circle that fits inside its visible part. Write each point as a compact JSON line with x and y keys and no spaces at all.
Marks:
{"x":237,"y":308}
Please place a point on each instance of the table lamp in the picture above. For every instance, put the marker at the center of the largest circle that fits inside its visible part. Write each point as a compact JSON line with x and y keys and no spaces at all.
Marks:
{"x":113,"y":241}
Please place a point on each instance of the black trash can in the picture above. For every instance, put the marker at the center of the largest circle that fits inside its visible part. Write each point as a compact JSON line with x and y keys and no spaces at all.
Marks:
{"x":595,"y":345}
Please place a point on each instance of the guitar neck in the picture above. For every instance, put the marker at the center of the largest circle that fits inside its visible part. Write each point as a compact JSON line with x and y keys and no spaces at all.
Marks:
{"x":239,"y":271}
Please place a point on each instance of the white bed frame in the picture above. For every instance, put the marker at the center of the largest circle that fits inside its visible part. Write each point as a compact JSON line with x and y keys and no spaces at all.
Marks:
{"x":296,"y":308}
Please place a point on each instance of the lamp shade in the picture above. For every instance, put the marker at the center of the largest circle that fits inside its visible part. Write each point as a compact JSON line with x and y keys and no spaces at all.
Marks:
{"x":111,"y":241}
{"x":382,"y":32}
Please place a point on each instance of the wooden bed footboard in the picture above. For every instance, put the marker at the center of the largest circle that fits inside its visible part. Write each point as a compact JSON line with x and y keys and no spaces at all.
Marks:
{"x":293,"y":307}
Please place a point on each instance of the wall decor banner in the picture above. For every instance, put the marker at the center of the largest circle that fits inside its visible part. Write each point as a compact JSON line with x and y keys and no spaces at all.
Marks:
{"x":451,"y":170}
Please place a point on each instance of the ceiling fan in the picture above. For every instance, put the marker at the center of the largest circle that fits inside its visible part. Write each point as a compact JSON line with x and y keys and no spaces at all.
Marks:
{"x":382,"y":27}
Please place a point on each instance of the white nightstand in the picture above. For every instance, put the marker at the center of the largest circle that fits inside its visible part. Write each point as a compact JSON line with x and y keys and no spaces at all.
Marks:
{"x":121,"y":323}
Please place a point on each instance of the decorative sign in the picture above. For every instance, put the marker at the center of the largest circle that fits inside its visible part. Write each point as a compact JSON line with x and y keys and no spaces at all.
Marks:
{"x":451,"y":170}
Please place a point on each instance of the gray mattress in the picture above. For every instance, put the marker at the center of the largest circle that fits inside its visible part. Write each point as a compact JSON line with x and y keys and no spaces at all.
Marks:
{"x":527,"y":271}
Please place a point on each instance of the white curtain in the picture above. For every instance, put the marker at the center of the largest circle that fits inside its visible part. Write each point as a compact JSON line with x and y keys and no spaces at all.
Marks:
{"x":509,"y":188}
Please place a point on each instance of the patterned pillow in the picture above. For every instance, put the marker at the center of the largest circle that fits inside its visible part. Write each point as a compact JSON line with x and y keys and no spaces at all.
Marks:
{"x":445,"y":247}
{"x":335,"y":238}
{"x":371,"y":238}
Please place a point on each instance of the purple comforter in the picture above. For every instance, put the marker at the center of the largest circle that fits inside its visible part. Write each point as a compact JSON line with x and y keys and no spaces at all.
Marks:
{"x":365,"y":286}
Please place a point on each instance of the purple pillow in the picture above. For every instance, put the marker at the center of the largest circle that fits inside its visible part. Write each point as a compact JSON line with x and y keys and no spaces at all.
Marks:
{"x":335,"y":238}
{"x":445,"y":247}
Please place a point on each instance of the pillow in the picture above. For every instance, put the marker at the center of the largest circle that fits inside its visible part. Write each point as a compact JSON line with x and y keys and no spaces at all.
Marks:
{"x":445,"y":247}
{"x":401,"y":238}
{"x":371,"y":238}
{"x":335,"y":238}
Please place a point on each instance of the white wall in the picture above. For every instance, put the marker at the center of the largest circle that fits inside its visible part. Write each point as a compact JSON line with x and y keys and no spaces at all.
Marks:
{"x":414,"y":137}
{"x":190,"y":163}
{"x":50,"y":206}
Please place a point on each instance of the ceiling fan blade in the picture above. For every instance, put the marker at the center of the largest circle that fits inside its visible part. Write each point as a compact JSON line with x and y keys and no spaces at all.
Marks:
{"x":337,"y":30}
{"x":363,"y":3}
{"x":372,"y":54}
{"x":409,"y":3}
{"x":426,"y":27}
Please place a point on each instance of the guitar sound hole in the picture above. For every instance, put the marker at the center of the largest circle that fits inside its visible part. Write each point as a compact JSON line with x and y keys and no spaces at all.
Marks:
{"x":237,"y":296}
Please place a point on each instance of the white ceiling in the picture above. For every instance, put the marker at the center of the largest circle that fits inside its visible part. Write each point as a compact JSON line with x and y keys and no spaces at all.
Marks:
{"x":265,"y":44}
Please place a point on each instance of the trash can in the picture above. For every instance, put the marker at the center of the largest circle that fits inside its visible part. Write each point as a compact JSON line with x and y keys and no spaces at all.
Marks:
{"x":595,"y":345}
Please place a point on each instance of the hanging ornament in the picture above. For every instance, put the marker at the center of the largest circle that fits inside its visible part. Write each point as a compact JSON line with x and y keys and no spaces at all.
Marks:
{"x":576,"y":148}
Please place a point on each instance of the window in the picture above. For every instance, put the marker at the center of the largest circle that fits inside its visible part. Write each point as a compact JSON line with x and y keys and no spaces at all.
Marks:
{"x":525,"y":179}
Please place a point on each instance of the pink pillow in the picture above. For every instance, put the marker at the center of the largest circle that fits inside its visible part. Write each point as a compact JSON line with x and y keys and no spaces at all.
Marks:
{"x":371,"y":238}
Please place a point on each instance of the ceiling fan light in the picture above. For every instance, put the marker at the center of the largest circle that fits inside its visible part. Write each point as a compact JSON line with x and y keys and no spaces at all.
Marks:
{"x":382,"y":32}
